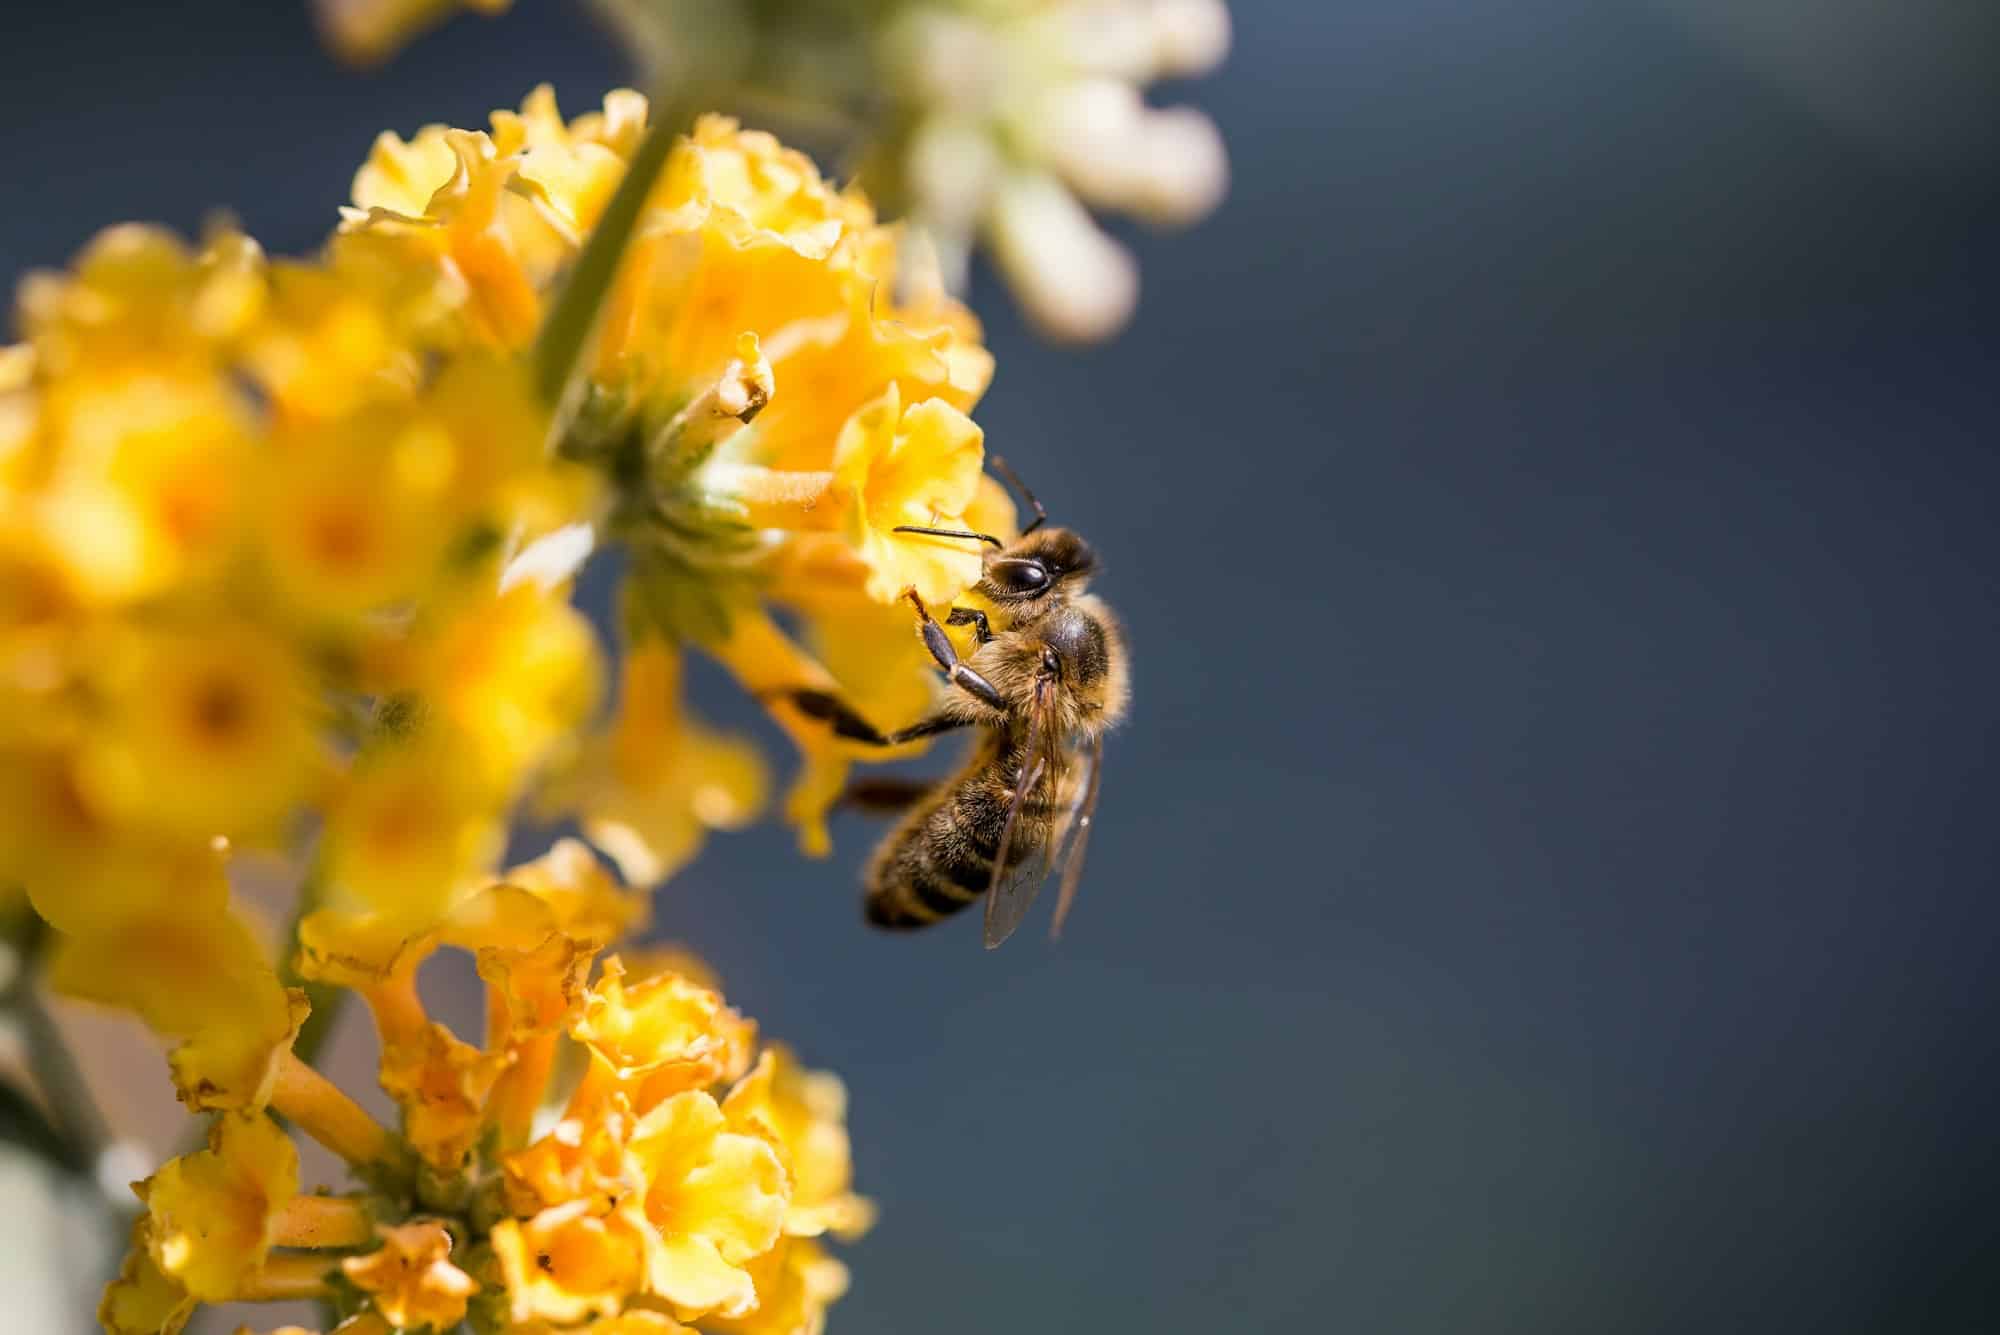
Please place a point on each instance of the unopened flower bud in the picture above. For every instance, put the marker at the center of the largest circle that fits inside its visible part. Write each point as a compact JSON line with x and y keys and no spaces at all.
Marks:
{"x":1076,"y":282}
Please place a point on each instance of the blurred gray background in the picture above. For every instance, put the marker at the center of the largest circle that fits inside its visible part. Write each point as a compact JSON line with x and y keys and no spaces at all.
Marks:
{"x":1546,"y":884}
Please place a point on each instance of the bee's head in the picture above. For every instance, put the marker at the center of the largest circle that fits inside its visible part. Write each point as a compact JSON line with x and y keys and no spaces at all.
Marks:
{"x":1041,"y":562}
{"x":1037,"y":564}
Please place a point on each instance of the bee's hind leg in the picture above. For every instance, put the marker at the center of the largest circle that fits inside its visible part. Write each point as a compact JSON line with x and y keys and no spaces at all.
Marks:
{"x":960,"y":675}
{"x":886,"y":794}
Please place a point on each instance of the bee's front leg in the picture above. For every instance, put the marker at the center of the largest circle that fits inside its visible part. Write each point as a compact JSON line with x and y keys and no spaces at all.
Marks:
{"x":967,"y":616}
{"x":959,"y":674}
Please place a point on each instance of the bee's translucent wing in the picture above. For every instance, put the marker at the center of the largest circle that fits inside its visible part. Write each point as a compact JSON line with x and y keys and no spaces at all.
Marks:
{"x":1075,"y":834}
{"x":1015,"y":886}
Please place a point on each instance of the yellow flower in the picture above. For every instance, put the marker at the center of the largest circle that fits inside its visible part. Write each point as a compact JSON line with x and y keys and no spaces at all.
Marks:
{"x":374,"y":954}
{"x":569,"y":1263}
{"x":804,"y":1115}
{"x":441,"y":1084}
{"x":143,"y":1300}
{"x":206,"y":730}
{"x":195,"y":975}
{"x":365,"y":31}
{"x":327,"y":342}
{"x":83,"y":870}
{"x":511,"y":674}
{"x":587,"y":901}
{"x":796,"y":1282}
{"x":413,"y":829}
{"x":490,"y":240}
{"x":649,"y":789}
{"x":919,"y":467}
{"x":349,"y":518}
{"x":657,"y":1038}
{"x":213,"y":1213}
{"x":410,"y":1277}
{"x":138,"y":441}
{"x":581,"y":1158}
{"x":716,"y":1199}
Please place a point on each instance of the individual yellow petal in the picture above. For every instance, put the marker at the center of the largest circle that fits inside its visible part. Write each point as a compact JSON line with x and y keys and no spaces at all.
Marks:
{"x":410,"y":1278}
{"x":400,"y":176}
{"x":212,"y":1211}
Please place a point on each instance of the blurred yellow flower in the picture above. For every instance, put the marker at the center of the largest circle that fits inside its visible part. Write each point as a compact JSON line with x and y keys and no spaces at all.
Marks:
{"x":796,"y":1282}
{"x":509,"y":674}
{"x":195,"y":975}
{"x":649,"y":788}
{"x":206,"y":730}
{"x":804,"y":1116}
{"x":413,"y":829}
{"x":214,"y":1213}
{"x":366,"y":31}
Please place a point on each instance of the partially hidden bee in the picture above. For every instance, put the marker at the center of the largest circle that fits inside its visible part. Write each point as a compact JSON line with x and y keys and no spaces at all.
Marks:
{"x":1048,"y":678}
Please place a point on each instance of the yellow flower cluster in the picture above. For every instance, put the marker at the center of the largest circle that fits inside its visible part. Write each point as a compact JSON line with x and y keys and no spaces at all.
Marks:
{"x":680,"y":1175}
{"x":245,"y":506}
{"x":285,"y":554}
{"x":767,"y":410}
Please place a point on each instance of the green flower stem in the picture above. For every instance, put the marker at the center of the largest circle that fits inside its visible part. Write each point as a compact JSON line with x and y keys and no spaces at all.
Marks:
{"x":326,"y":1000}
{"x":561,"y":348}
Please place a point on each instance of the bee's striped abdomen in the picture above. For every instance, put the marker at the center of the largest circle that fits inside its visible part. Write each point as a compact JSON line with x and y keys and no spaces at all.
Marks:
{"x":940,"y":859}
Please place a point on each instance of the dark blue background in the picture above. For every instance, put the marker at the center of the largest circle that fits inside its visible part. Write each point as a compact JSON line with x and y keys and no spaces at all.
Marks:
{"x":1546,"y":884}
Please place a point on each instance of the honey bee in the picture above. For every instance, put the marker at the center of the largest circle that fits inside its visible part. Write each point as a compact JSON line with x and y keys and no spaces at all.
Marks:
{"x":1042,"y":688}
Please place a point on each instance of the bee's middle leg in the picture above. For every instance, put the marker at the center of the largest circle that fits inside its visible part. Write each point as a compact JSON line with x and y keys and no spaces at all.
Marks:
{"x":959,"y":674}
{"x":830,"y":708}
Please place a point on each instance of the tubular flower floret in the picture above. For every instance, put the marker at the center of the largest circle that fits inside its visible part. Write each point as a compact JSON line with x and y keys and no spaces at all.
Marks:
{"x":680,"y":1177}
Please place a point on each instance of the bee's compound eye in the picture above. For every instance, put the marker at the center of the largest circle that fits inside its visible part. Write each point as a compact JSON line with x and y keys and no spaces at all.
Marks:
{"x":1020,"y":576}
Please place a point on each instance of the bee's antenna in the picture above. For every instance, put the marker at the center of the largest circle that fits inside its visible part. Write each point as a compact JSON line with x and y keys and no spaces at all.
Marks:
{"x":949,"y":533}
{"x":1041,"y":515}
